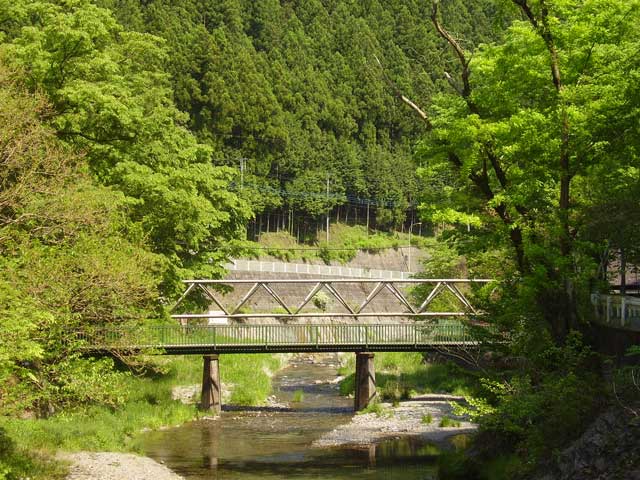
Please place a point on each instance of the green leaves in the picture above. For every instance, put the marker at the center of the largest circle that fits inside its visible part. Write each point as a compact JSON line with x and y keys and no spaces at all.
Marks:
{"x":502,"y":154}
{"x":112,"y":99}
{"x":69,"y":257}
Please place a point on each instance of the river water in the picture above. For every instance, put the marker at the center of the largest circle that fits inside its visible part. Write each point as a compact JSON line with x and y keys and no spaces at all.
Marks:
{"x":276,"y":442}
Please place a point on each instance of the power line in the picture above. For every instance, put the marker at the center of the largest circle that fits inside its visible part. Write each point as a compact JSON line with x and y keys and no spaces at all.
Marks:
{"x":315,"y":249}
{"x":351,"y":199}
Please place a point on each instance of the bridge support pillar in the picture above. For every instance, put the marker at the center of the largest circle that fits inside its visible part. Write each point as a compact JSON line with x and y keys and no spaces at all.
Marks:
{"x":211,"y":399}
{"x":365,"y":391}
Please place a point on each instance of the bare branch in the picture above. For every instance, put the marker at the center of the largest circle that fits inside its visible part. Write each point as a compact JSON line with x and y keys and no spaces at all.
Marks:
{"x":526,"y":9}
{"x":419,"y":111}
{"x":446,"y":35}
{"x":464,"y":62}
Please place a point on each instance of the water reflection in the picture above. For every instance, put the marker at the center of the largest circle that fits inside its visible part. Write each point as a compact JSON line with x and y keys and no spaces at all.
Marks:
{"x":275,"y":443}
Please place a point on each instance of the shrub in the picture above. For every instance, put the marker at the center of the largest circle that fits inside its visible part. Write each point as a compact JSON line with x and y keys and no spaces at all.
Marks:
{"x":377,"y":408}
{"x":449,"y":422}
{"x":542,"y":407}
{"x":320,"y":301}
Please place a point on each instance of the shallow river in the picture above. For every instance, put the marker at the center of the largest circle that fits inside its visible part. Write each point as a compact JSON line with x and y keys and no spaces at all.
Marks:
{"x":276,"y":443}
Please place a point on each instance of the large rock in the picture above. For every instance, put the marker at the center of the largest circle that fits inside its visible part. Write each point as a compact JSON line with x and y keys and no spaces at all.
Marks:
{"x":608,"y":450}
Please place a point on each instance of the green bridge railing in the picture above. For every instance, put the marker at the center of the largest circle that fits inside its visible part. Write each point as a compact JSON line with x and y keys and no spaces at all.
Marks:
{"x":248,"y":338}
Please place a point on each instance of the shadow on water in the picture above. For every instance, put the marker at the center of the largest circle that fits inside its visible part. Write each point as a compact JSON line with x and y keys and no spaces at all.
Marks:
{"x":269,"y":443}
{"x":302,"y":409}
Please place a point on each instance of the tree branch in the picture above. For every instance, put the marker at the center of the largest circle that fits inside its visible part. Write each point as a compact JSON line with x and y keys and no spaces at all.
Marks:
{"x":526,"y":9}
{"x":464,"y":62}
{"x":481,"y":181}
{"x":421,"y":113}
{"x":542,"y":27}
{"x":453,"y":83}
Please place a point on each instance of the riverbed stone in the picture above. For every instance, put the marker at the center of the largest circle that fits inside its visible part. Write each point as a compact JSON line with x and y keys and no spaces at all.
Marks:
{"x":115,"y":466}
{"x":405,"y":420}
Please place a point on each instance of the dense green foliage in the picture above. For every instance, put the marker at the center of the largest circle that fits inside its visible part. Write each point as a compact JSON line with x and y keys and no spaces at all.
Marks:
{"x":106,"y":200}
{"x":294,"y":90}
{"x":123,"y":124}
{"x":539,"y":139}
{"x":536,"y":147}
{"x":111,"y":98}
{"x":67,"y":260}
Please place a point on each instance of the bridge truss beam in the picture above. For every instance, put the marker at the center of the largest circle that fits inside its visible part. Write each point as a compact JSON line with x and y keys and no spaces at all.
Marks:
{"x":212,"y":288}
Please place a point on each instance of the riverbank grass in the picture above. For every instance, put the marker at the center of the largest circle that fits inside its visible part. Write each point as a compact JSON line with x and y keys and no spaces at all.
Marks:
{"x":402,"y":375}
{"x":149,"y":405}
{"x":344,"y":243}
{"x":446,"y":422}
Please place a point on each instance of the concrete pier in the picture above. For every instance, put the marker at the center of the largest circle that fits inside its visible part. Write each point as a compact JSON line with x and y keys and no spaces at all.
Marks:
{"x":365,"y":389}
{"x":211,"y":399}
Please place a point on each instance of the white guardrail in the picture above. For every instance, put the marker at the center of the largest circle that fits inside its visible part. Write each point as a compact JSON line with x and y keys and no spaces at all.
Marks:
{"x":308,"y":269}
{"x":617,"y":310}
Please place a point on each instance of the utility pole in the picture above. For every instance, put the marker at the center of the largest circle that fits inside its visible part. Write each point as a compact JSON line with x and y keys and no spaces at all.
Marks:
{"x":242,"y":165}
{"x":328,"y":209}
{"x":409,"y":254}
{"x":368,"y":204}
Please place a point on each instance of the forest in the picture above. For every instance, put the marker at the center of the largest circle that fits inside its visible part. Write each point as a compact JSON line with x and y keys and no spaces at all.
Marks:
{"x":144,"y":142}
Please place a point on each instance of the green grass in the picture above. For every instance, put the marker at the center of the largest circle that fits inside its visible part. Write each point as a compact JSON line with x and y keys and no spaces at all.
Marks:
{"x":448,"y":422}
{"x":250,"y":376}
{"x":298,"y":396}
{"x":148,"y":406}
{"x":285,"y":247}
{"x":377,"y":408}
{"x":401,"y":375}
{"x":21,"y":463}
{"x":427,"y":419}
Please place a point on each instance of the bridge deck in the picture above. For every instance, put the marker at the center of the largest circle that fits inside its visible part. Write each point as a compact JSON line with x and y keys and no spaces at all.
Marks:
{"x":203,"y":339}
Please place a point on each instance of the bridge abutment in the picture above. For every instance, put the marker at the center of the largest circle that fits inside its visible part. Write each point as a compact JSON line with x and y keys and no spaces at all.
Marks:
{"x":365,"y":389}
{"x":211,"y":399}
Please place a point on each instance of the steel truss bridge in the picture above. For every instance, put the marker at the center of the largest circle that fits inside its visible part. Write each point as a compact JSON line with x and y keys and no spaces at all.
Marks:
{"x":338,"y":324}
{"x":414,"y":321}
{"x":339,"y":328}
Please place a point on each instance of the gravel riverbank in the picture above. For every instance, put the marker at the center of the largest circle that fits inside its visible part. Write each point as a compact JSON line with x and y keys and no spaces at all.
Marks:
{"x":410,"y":418}
{"x":115,"y":466}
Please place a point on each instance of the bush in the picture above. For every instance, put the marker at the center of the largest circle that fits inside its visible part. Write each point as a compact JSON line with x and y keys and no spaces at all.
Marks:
{"x":626,"y":382}
{"x":542,"y":407}
{"x":320,"y":301}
